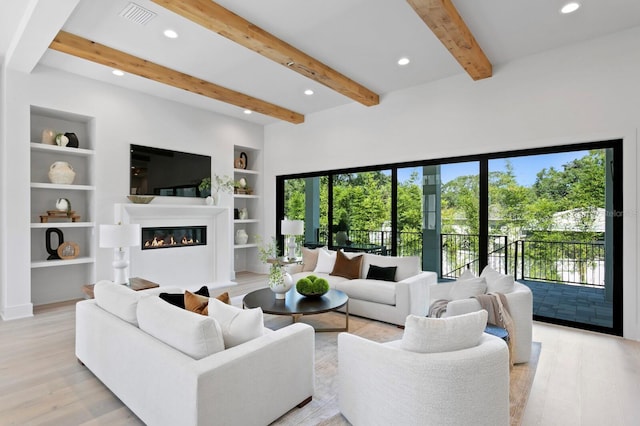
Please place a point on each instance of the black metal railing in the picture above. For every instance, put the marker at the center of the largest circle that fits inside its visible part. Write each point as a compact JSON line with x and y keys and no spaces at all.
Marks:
{"x":566,"y":262}
{"x":561,"y":261}
{"x":551,"y":261}
{"x":460,"y":252}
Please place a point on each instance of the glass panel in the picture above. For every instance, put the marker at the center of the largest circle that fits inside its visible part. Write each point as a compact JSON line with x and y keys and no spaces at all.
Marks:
{"x":306,"y":199}
{"x":549,"y":229}
{"x":362,"y":211}
{"x":410,"y":212}
{"x":459,"y":218}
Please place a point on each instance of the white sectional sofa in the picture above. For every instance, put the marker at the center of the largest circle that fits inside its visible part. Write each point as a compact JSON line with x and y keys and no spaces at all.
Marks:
{"x":382,"y":300}
{"x":253,"y":383}
{"x":519,"y":299}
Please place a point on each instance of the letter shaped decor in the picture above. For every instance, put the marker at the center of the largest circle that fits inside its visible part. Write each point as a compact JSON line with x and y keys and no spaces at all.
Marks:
{"x":53,"y":253}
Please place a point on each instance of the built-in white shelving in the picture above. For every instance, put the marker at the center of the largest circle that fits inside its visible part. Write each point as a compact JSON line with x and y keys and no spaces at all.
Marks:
{"x":246,"y":254}
{"x":61,"y":279}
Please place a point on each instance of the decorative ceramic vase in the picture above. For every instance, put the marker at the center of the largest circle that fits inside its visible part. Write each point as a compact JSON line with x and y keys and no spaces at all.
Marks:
{"x":216,"y":198}
{"x":72,"y":140}
{"x":61,"y":140}
{"x":280,"y":281}
{"x":241,"y":237}
{"x":341,"y":238}
{"x":61,"y":172}
{"x":243,"y":213}
{"x":209,"y":200}
{"x":48,"y":137}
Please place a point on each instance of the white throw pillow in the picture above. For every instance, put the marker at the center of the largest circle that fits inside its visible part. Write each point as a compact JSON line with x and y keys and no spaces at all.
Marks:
{"x":326,"y":261}
{"x":466,"y":288}
{"x":497,"y":282}
{"x":430,"y":335}
{"x":238,"y":325}
{"x":118,"y":299}
{"x":193,"y":334}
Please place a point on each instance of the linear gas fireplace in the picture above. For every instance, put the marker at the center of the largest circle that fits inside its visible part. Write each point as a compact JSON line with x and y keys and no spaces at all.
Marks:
{"x":173,"y":236}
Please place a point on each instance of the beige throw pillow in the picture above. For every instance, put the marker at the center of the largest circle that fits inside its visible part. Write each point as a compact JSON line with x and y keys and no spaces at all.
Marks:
{"x":309,"y":259}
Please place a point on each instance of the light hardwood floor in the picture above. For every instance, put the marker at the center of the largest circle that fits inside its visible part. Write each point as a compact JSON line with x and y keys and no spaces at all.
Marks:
{"x":582,"y":378}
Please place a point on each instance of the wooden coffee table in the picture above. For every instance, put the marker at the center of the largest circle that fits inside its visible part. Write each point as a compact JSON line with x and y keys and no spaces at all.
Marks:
{"x":135,"y":283}
{"x":297,"y":305}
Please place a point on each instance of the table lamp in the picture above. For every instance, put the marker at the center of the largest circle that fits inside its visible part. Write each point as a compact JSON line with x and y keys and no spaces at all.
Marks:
{"x":118,"y":237}
{"x":291,"y":228}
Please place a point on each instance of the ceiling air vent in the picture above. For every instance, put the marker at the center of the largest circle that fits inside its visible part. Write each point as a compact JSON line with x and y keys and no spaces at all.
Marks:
{"x":137,"y":14}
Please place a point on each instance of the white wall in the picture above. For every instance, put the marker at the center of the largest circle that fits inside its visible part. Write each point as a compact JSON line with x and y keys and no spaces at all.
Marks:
{"x":582,"y":93}
{"x":121,"y":117}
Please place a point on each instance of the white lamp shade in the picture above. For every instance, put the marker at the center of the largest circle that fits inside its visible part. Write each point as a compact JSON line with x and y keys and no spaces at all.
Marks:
{"x":117,"y":236}
{"x":292,"y":227}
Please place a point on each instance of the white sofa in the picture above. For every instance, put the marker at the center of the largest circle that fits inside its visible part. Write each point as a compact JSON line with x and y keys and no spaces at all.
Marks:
{"x":519,"y":299}
{"x":253,"y":383}
{"x":387,"y":301}
{"x":392,"y":384}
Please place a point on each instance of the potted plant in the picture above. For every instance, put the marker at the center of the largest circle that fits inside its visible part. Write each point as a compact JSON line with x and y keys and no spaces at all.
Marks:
{"x":342,"y":228}
{"x":216,"y":185}
{"x":279,"y":279}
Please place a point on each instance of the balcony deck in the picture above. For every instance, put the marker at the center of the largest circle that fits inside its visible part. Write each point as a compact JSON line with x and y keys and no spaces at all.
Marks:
{"x":575,"y":303}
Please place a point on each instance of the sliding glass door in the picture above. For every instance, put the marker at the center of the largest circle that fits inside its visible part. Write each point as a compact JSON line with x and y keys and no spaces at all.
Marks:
{"x":549,"y":217}
{"x":549,"y":227}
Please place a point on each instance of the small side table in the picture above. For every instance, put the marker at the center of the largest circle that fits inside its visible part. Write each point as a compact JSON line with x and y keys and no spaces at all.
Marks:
{"x":135,"y":284}
{"x":497,"y":331}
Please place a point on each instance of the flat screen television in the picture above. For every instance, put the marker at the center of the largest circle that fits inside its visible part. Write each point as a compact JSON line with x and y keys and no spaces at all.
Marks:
{"x":164,"y":172}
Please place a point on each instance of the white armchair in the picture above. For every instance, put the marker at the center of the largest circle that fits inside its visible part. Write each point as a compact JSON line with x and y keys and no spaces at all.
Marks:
{"x":383,"y":384}
{"x":520,"y":302}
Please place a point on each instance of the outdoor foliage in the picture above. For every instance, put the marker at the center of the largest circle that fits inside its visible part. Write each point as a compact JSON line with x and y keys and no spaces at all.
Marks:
{"x":518,"y":212}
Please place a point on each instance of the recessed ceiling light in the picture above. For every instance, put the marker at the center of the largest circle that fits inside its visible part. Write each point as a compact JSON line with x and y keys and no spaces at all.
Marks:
{"x":247,"y":111}
{"x":170,"y":34}
{"x":308,"y":92}
{"x":117,"y":72}
{"x":403,"y":61}
{"x":570,"y":7}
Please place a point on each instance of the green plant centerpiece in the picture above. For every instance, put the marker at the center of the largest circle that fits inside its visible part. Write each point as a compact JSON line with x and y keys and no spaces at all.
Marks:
{"x":312,"y":286}
{"x":279,"y":280}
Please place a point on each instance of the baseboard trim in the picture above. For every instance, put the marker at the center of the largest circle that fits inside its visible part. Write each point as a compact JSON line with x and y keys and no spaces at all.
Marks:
{"x":16,"y":312}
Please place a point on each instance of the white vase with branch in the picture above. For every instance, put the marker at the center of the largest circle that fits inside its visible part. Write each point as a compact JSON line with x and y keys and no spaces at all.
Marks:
{"x":280,"y":281}
{"x":215,"y":185}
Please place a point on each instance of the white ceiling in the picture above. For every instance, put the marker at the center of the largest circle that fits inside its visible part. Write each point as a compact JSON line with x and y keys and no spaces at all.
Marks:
{"x":362,"y":39}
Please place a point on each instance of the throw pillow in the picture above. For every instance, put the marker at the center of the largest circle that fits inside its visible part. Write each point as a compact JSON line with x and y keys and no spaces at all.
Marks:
{"x":309,"y":259}
{"x":177,"y":299}
{"x":497,"y":282}
{"x":195,"y":335}
{"x":326,"y":261}
{"x":200,"y":304}
{"x":238,"y":325}
{"x":466,"y":288}
{"x":431,"y":335}
{"x":382,"y":273}
{"x":467,"y":275}
{"x":118,"y":299}
{"x":196,"y":303}
{"x":345,"y":267}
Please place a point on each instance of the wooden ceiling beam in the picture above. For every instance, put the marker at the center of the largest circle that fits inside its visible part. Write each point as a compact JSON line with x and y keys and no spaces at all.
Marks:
{"x":86,"y":49}
{"x":443,"y":19}
{"x":222,"y":21}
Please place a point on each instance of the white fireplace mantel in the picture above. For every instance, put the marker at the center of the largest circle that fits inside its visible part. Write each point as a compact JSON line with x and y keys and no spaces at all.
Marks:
{"x":185,"y":267}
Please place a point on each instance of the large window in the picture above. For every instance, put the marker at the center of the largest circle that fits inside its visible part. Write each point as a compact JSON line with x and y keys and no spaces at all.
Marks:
{"x":546,"y":216}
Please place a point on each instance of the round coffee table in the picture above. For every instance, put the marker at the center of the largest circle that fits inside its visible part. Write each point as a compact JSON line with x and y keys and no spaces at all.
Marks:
{"x":297,"y":305}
